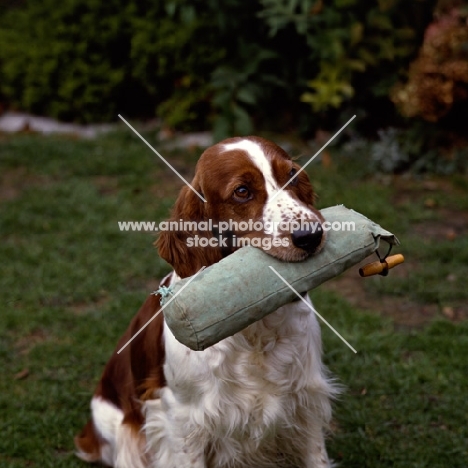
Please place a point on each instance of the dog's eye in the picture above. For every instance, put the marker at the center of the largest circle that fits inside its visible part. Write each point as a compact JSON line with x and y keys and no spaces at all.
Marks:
{"x":292,"y":173}
{"x":242,"y":193}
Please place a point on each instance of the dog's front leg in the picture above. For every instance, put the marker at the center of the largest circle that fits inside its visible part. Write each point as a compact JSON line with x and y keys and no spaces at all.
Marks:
{"x":315,"y":451}
{"x":177,"y":453}
{"x":317,"y":456}
{"x":173,"y":441}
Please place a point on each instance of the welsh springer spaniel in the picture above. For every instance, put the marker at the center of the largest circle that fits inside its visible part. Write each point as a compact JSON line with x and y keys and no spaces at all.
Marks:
{"x":260,"y":398}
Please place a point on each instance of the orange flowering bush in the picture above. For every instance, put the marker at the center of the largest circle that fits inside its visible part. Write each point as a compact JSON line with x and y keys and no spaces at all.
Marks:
{"x":438,"y":78}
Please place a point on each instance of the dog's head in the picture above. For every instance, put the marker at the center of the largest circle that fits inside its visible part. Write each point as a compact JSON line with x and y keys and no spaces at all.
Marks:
{"x":241,"y":181}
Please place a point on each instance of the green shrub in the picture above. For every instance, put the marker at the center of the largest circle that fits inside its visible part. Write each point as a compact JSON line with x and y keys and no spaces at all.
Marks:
{"x":66,"y":59}
{"x":198,"y":63}
{"x":356,"y":48}
{"x":88,"y":60}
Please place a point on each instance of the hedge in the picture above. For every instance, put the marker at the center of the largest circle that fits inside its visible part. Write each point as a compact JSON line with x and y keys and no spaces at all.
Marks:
{"x":231,"y":66}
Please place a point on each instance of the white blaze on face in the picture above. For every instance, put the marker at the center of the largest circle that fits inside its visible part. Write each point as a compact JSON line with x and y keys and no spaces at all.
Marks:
{"x":257,"y":156}
{"x":283,"y":208}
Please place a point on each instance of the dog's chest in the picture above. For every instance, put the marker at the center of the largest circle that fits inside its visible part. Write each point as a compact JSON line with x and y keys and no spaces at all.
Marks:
{"x":242,"y":386}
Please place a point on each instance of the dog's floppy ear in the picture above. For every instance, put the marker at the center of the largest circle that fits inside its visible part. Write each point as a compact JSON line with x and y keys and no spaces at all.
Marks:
{"x":180,"y":247}
{"x":306,"y":192}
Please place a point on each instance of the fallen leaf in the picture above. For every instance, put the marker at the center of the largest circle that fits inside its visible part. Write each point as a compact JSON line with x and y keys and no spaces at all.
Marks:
{"x":451,"y":234}
{"x":448,"y":312}
{"x":430,"y":203}
{"x":326,"y":159}
{"x":21,"y":374}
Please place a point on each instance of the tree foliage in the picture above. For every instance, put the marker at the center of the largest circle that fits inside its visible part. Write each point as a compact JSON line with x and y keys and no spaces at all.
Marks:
{"x":202,"y":64}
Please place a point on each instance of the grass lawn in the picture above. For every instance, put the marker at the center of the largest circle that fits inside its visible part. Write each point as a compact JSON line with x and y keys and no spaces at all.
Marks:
{"x":70,"y":283}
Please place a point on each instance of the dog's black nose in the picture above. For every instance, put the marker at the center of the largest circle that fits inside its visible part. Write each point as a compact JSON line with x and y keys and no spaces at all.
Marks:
{"x":307,"y":240}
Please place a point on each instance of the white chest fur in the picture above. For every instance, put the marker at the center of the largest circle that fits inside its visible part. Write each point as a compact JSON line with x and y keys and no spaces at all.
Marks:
{"x":234,"y":400}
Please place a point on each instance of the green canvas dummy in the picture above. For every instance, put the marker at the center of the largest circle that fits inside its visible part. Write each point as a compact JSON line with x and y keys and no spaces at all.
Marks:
{"x":241,"y":289}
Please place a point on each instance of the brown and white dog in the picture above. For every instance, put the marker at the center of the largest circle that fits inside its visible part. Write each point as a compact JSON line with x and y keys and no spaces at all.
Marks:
{"x":260,"y":398}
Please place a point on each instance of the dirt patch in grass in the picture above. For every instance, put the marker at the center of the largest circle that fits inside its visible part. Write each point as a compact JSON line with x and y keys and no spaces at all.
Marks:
{"x":26,"y":343}
{"x":142,"y":284}
{"x":86,"y":307}
{"x":403,"y":311}
{"x":168,"y":185}
{"x":452,"y":224}
{"x":448,"y":224}
{"x":106,"y":185}
{"x":14,"y":181}
{"x":409,"y":189}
